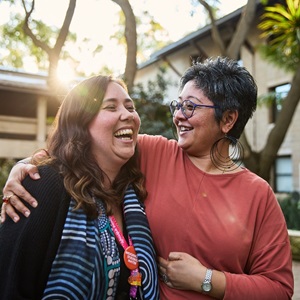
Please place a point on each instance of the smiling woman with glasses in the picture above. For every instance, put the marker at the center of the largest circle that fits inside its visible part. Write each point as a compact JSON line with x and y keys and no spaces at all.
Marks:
{"x":187,"y":107}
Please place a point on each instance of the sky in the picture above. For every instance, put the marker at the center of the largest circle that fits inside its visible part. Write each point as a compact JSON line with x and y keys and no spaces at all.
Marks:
{"x":96,"y":20}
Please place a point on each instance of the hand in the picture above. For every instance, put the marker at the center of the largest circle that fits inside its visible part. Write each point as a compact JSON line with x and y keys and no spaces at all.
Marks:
{"x":183,"y":271}
{"x":14,"y":187}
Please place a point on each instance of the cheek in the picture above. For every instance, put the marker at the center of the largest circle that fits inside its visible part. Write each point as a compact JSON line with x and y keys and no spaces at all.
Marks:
{"x":137,"y":120}
{"x":205,"y":125}
{"x":99,"y":128}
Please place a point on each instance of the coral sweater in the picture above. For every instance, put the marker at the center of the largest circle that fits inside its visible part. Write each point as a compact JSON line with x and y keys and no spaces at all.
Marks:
{"x":229,"y":222}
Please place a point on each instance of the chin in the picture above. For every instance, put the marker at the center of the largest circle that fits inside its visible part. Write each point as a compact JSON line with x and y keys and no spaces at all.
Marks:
{"x":126,"y":156}
{"x":181,"y":143}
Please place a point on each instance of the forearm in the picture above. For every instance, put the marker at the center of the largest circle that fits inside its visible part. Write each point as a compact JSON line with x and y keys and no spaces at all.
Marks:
{"x":267,"y":280}
{"x":255,"y":287}
{"x":228,"y":286}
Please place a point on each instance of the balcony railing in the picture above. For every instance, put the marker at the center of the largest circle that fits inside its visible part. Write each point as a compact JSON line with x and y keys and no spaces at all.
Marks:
{"x":20,"y":137}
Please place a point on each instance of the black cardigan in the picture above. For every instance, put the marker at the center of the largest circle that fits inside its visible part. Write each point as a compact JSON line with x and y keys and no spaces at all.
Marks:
{"x":28,"y":248}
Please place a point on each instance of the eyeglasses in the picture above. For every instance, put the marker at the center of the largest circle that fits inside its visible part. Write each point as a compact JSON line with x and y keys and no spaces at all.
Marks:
{"x":187,"y":107}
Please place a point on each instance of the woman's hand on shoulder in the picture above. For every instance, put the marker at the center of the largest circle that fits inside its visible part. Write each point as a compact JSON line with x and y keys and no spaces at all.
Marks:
{"x":15,"y":191}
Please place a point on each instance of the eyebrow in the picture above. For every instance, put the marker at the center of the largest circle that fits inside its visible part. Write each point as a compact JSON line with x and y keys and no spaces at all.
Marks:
{"x":190,"y":98}
{"x":116,"y":100}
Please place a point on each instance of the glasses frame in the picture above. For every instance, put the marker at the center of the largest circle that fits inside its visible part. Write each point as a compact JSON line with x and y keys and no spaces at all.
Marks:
{"x":180,"y":106}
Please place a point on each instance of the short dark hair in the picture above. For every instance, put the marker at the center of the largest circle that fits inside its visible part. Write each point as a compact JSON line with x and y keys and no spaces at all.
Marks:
{"x":228,"y":85}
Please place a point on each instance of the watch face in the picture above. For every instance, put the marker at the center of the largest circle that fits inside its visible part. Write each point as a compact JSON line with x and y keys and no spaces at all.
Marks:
{"x":206,"y":287}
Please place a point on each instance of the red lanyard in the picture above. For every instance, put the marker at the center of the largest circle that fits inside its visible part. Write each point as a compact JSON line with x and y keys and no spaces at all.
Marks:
{"x":130,"y":257}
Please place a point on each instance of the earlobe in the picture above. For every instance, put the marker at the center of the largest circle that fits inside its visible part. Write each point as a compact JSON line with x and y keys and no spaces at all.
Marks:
{"x":228,"y":120}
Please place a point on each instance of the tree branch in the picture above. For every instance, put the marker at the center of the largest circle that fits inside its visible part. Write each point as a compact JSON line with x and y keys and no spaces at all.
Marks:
{"x":214,"y":28}
{"x":243,"y":27}
{"x":64,"y":31}
{"x":131,"y":41}
{"x":29,"y":32}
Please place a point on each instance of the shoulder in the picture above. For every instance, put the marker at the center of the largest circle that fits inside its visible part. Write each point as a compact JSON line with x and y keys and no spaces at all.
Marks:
{"x":49,"y":187}
{"x":145,"y":138}
{"x":258,"y":187}
{"x":146,"y":142}
{"x":48,"y":174}
{"x":254,"y":179}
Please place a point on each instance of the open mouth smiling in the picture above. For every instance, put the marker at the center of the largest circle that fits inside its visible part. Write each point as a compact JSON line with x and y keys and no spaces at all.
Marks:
{"x":125,"y":134}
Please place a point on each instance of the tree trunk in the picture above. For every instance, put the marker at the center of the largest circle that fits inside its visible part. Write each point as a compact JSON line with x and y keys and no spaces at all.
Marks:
{"x":279,"y":131}
{"x":131,"y":42}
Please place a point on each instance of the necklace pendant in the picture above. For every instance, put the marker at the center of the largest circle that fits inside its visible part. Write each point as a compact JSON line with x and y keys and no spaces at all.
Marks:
{"x":135,"y":279}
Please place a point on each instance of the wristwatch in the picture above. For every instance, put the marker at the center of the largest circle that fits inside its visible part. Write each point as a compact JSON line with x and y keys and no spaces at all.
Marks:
{"x":206,"y":284}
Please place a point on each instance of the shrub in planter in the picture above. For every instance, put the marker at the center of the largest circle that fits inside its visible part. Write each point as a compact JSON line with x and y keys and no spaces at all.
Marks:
{"x":290,"y":206}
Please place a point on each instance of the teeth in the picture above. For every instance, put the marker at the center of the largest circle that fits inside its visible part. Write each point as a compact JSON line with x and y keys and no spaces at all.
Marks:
{"x":183,"y":128}
{"x":124,"y":132}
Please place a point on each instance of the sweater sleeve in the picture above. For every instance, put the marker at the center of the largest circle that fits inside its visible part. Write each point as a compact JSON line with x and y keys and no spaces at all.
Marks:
{"x":29,"y":246}
{"x":268,"y":273}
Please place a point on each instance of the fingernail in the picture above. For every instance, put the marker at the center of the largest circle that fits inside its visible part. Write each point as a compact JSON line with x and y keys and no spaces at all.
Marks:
{"x":34,"y":204}
{"x":36,"y":175}
{"x":16,"y":219}
{"x":26,"y":213}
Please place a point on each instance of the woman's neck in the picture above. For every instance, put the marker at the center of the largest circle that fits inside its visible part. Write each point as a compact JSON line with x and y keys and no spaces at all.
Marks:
{"x":205,"y":164}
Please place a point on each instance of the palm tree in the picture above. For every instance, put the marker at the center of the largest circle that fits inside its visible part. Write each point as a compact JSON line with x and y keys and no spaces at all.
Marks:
{"x":281,"y":27}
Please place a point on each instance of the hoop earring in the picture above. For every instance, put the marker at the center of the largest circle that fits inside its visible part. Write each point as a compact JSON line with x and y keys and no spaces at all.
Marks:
{"x":233,"y":160}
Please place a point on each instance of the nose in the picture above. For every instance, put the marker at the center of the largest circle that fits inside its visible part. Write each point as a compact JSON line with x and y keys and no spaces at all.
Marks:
{"x":179,"y":114}
{"x":126,"y":115}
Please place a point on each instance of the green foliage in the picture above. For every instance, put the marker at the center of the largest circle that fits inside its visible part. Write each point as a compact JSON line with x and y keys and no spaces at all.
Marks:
{"x":281,"y":27}
{"x":290,"y":206}
{"x":155,"y":114}
{"x":5,"y":167}
{"x":151,"y":36}
{"x":270,"y":98}
{"x":20,"y":46}
{"x":12,"y":37}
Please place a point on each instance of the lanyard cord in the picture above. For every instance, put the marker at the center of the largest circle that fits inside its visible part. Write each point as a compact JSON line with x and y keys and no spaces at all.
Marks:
{"x":130,"y":257}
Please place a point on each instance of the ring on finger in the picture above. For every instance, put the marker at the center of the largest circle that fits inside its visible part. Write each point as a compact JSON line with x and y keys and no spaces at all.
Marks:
{"x":6,"y":199}
{"x":165,"y":278}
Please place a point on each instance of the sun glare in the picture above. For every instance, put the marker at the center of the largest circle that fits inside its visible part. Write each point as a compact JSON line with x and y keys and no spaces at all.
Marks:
{"x":65,"y":73}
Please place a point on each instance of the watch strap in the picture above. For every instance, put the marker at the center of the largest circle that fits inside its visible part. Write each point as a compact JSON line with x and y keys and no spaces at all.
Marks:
{"x":208,"y":276}
{"x":206,"y":284}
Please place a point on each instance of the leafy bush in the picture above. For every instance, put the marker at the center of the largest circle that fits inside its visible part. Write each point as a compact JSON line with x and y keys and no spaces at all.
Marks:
{"x":290,"y":206}
{"x":152,"y":106}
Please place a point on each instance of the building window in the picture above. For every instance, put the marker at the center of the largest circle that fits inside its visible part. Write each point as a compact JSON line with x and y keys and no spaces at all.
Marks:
{"x":281,"y":92}
{"x":283,"y":175}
